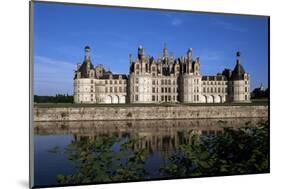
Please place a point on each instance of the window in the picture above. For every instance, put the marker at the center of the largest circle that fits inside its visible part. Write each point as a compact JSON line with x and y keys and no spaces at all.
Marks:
{"x":153,"y":98}
{"x":153,"y":68}
{"x":137,"y":66}
{"x":115,"y":82}
{"x":211,"y":90}
{"x":204,"y":90}
{"x":111,"y":89}
{"x":120,"y":89}
{"x":219,"y":90}
{"x":162,"y":89}
{"x":245,"y":89}
{"x":169,"y":89}
{"x":153,"y":89}
{"x":246,"y":97}
{"x":136,"y":97}
{"x":137,"y":89}
{"x":106,"y":89}
{"x":120,"y":82}
{"x":137,"y":80}
{"x":162,"y":98}
{"x":153,"y":82}
{"x":110,"y":82}
{"x":194,"y":97}
{"x":92,"y":81}
{"x":115,"y":89}
{"x":197,"y":97}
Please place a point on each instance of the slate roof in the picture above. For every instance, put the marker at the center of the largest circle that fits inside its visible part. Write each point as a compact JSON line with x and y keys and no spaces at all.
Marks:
{"x":238,"y":72}
{"x":83,"y":69}
{"x":114,"y":76}
{"x":214,"y":78}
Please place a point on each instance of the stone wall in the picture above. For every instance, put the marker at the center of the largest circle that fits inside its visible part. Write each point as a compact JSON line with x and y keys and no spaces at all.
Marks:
{"x":147,"y":112}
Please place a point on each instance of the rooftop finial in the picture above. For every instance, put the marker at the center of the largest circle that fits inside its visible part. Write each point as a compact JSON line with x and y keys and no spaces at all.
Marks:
{"x":238,"y":53}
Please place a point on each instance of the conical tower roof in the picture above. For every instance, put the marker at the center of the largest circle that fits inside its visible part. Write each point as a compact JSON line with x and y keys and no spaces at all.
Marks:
{"x":238,"y":72}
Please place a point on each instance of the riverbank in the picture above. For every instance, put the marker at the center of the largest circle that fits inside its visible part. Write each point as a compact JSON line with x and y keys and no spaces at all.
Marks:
{"x":147,"y":112}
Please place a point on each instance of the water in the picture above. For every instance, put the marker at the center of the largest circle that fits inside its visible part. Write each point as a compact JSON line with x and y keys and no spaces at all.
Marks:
{"x":59,"y":147}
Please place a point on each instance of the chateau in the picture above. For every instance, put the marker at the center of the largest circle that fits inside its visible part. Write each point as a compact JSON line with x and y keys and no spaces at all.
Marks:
{"x":164,"y":79}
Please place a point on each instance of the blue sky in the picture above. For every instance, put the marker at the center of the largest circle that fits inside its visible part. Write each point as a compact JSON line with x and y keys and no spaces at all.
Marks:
{"x":62,"y":31}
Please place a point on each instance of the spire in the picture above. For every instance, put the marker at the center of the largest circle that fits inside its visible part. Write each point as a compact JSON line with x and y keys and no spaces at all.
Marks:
{"x":261,"y":87}
{"x":238,"y":72}
{"x":238,"y":57}
{"x":165,"y":51}
{"x":189,"y":53}
{"x":87,"y":53}
{"x":130,"y":59}
{"x":141,"y":53}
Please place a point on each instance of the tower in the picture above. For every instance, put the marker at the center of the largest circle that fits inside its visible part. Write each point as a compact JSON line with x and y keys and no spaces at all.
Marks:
{"x":239,"y":85}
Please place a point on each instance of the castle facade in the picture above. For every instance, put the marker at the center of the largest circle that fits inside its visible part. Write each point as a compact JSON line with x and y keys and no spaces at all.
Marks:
{"x":164,"y":79}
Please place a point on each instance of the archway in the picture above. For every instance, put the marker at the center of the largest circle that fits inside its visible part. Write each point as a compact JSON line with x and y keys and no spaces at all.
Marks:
{"x":212,"y":99}
{"x":205,"y":99}
{"x":122,"y":99}
{"x":115,"y":99}
{"x":221,"y":100}
{"x":108,"y":99}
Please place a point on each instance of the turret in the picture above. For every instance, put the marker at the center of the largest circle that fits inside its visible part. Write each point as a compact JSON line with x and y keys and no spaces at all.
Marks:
{"x":240,"y":82}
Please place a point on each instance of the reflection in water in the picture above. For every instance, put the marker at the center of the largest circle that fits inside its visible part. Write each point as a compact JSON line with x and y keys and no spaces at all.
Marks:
{"x":160,"y":140}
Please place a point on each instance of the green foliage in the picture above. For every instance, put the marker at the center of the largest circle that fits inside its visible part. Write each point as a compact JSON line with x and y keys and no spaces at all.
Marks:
{"x":97,"y":161}
{"x":108,"y":159}
{"x":235,"y":151}
{"x":59,"y":98}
